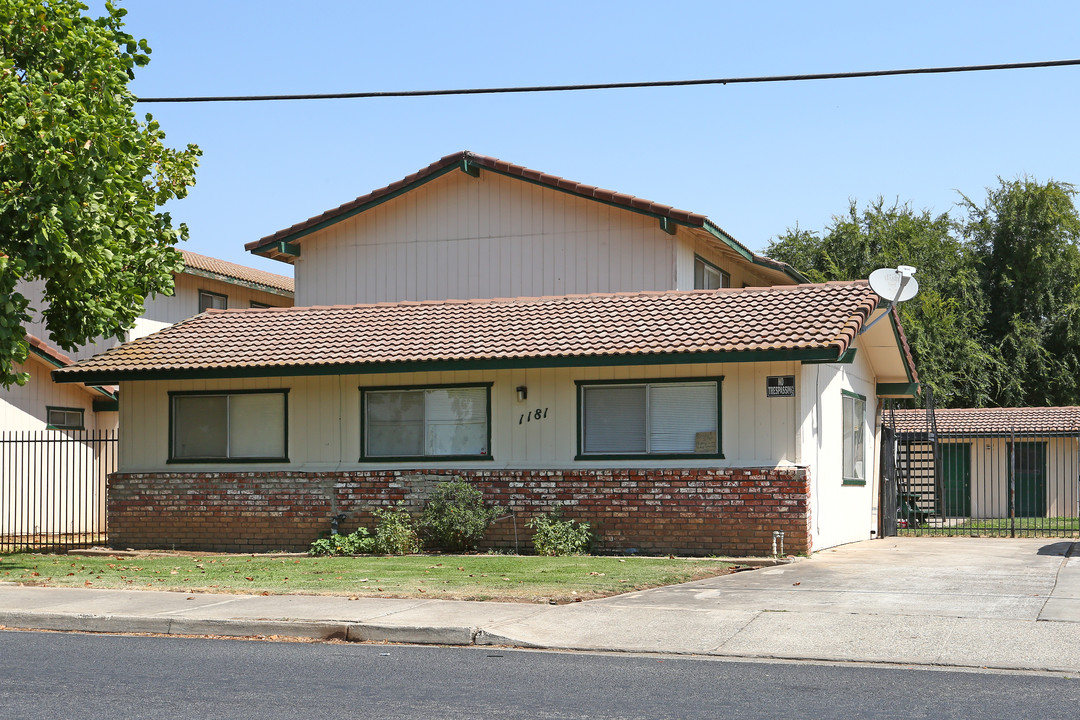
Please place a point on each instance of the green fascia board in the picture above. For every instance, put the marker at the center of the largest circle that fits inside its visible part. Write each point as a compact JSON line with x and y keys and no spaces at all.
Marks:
{"x":287,"y":242}
{"x":908,"y":370}
{"x":734,"y":356}
{"x":241,"y":283}
{"x":52,"y":361}
{"x":750,"y":257}
{"x":846,"y":359}
{"x":898,"y":389}
{"x":103,"y":405}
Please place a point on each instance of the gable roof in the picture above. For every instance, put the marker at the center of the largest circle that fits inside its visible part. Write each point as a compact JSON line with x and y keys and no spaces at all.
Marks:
{"x":206,"y":266}
{"x":800,"y":322}
{"x":992,"y":421}
{"x":279,"y":245}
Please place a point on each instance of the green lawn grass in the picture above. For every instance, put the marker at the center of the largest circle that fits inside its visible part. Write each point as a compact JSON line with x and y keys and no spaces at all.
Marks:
{"x":458,"y":577}
{"x":1001,"y":527}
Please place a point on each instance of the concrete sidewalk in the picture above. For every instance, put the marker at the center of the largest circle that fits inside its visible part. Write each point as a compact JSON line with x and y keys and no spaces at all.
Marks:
{"x":965,"y":602}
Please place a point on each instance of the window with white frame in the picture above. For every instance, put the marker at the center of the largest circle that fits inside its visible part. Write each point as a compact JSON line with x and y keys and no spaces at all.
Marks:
{"x":448,"y":421}
{"x":709,"y":277}
{"x":64,"y":418}
{"x":209,"y":300}
{"x":679,"y":418}
{"x":236,"y":426}
{"x":854,"y":419}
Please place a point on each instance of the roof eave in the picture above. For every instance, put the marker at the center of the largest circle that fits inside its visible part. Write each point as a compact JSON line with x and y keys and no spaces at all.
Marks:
{"x":828,"y":353}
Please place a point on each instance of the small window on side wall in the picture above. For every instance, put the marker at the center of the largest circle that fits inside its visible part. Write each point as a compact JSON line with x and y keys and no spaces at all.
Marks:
{"x":231,"y":427}
{"x":854,"y":419}
{"x":673,"y":419}
{"x":434,"y":422}
{"x":709,"y":277}
{"x":62,"y":418}
{"x":209,"y":300}
{"x":259,"y":305}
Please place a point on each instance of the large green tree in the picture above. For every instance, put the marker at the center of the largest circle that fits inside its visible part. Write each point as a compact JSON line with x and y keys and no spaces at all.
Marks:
{"x":943,"y":322}
{"x":82,"y":179}
{"x":1025,"y":236}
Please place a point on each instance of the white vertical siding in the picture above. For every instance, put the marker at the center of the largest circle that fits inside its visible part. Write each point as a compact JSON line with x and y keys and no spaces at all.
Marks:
{"x":23,"y":407}
{"x":324,"y":416}
{"x":460,"y":237}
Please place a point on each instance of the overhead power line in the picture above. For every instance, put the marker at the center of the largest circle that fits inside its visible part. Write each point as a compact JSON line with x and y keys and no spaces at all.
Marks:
{"x":612,"y":86}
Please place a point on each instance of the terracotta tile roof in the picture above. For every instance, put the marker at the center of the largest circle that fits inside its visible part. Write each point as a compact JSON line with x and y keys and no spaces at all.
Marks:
{"x":817,"y":321}
{"x":226,"y":269}
{"x":459,"y":159}
{"x":56,"y":358}
{"x":992,"y":421}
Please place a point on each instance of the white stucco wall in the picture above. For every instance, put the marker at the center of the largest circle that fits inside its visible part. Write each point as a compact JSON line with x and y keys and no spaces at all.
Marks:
{"x":841,"y":513}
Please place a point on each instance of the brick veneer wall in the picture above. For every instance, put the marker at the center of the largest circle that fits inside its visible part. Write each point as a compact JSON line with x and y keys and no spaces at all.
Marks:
{"x":694,"y":511}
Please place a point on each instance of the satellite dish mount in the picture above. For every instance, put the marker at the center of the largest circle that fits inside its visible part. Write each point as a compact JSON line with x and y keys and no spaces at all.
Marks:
{"x":895,"y":285}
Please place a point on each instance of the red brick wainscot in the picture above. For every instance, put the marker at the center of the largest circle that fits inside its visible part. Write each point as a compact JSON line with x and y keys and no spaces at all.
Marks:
{"x":696,"y":511}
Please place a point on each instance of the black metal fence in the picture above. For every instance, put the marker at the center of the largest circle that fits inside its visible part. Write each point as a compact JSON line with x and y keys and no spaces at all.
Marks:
{"x":1001,"y":481}
{"x":52,"y":488}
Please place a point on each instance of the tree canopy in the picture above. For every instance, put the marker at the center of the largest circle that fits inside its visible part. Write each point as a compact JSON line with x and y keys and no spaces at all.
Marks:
{"x":996,"y":318}
{"x":82,"y":180}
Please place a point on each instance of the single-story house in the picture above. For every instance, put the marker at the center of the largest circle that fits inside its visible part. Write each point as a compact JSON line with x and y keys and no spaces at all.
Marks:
{"x":694,"y":421}
{"x":990,"y":462}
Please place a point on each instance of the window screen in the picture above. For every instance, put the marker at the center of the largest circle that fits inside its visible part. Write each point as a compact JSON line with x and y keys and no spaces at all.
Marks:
{"x":223,"y":426}
{"x":709,"y":277}
{"x":426,"y":422}
{"x":650,"y":418}
{"x":854,"y":417}
{"x":65,"y":418}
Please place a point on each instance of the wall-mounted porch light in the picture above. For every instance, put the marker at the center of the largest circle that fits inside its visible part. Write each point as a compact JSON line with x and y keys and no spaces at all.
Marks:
{"x":523,"y":392}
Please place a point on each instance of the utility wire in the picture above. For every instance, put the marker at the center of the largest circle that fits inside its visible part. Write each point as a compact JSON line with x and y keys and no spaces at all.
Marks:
{"x":614,"y":86}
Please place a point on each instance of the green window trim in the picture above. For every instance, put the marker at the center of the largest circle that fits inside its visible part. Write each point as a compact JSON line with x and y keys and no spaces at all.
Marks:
{"x":851,"y":480}
{"x":488,"y":456}
{"x":211,"y":294}
{"x":65,"y":423}
{"x":173,"y":459}
{"x":581,"y":455}
{"x":725,"y":277}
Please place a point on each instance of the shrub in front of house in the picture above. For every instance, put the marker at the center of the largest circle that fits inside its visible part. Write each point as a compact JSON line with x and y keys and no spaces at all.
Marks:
{"x":456,"y":517}
{"x":358,"y":542}
{"x":395,"y":532}
{"x":555,"y":535}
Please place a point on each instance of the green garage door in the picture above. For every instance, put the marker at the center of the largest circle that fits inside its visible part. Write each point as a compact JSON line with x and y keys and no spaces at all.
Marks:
{"x":1028,"y":464}
{"x":956,"y":479}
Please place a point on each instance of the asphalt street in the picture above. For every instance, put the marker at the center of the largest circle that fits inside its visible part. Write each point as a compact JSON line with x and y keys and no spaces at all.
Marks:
{"x":56,"y":675}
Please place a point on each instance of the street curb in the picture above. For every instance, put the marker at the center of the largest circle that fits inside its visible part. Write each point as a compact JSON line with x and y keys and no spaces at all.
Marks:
{"x":418,"y":635}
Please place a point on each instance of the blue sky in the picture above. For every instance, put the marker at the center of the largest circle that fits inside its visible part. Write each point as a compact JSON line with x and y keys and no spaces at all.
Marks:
{"x":757,"y":159}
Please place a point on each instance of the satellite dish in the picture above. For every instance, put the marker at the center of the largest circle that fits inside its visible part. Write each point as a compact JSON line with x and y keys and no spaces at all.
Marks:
{"x":894,"y":285}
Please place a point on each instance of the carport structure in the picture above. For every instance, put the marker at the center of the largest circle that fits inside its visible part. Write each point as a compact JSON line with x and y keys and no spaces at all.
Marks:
{"x":986,"y":471}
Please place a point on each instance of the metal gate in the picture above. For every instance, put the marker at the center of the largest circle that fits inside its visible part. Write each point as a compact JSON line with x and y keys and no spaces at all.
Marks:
{"x":52,"y":488}
{"x":1009,"y":472}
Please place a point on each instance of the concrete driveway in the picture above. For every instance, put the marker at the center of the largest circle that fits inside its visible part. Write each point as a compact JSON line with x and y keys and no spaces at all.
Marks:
{"x":940,"y":601}
{"x":992,"y":578}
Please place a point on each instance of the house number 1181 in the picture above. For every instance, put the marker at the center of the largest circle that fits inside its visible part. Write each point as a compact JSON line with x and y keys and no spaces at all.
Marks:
{"x":537,"y":414}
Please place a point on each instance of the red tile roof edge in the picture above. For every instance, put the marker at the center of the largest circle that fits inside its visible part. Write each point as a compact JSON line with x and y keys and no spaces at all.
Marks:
{"x":963,"y":421}
{"x":842,"y":332}
{"x":57,"y":357}
{"x":235,"y":271}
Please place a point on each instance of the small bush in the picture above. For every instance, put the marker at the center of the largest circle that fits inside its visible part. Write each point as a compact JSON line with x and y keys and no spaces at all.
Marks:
{"x":358,"y":542}
{"x":394,"y":531}
{"x":554,"y":535}
{"x":455,"y":517}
